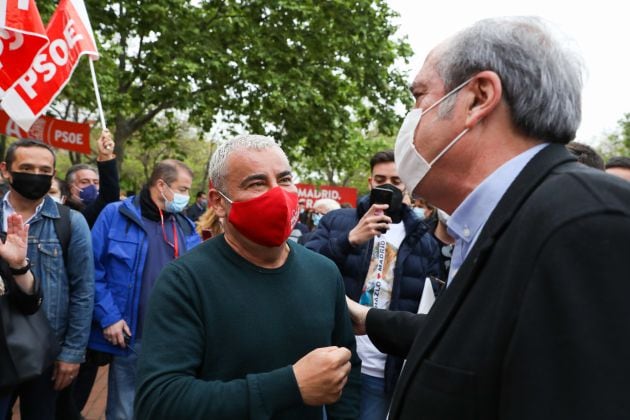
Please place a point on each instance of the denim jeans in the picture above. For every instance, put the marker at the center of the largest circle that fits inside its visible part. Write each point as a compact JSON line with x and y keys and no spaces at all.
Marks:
{"x":374,"y":401}
{"x":121,"y":387}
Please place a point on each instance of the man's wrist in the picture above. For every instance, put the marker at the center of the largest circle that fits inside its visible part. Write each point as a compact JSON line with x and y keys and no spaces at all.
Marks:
{"x":105,"y":158}
{"x":352,"y":242}
{"x":21,"y":268}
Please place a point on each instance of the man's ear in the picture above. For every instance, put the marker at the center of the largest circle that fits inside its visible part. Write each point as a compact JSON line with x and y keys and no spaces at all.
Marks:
{"x":217,"y":202}
{"x":4,"y":170}
{"x":487,"y":92}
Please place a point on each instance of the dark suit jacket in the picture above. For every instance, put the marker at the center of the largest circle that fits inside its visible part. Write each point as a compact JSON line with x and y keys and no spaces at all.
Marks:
{"x":536,"y":323}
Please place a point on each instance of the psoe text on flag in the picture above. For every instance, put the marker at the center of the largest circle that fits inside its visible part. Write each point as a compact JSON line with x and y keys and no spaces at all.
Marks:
{"x":70,"y":35}
{"x":22,"y":37}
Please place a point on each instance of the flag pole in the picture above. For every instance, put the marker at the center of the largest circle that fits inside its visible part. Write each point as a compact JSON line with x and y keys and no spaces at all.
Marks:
{"x":98,"y":95}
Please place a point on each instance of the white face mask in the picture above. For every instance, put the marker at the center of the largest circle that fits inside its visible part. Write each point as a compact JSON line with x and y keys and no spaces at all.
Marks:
{"x":412,"y":167}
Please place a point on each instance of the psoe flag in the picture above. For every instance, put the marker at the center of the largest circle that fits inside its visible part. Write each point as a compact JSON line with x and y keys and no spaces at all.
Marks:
{"x":71,"y":36}
{"x":22,"y":36}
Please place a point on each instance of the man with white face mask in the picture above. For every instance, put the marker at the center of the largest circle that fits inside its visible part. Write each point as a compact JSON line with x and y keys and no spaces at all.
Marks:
{"x":134,"y":239}
{"x":534,"y":320}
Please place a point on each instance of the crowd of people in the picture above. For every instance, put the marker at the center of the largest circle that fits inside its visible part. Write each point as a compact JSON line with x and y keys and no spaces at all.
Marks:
{"x":482,"y":277}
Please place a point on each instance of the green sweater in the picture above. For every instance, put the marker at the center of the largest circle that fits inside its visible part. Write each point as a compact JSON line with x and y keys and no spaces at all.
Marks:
{"x":221,"y":336}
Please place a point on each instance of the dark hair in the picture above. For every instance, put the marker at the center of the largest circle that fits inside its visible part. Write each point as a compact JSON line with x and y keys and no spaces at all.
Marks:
{"x":199,"y":194}
{"x":384,"y":156}
{"x":167,"y":171}
{"x":618,"y":162}
{"x":10,"y":155}
{"x":76,"y":168}
{"x":64,"y":190}
{"x":586,"y":155}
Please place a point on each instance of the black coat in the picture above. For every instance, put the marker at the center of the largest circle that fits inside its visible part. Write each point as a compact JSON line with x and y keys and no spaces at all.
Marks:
{"x":535,"y":324}
{"x":418,"y":257}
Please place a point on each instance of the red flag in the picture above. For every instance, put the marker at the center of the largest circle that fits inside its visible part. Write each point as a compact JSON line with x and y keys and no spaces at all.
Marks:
{"x":70,"y":35}
{"x":22,"y":36}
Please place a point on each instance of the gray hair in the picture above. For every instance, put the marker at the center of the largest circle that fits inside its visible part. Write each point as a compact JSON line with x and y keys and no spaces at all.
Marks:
{"x":328,"y":203}
{"x":541,"y":75}
{"x":217,"y":168}
{"x":70,"y":175}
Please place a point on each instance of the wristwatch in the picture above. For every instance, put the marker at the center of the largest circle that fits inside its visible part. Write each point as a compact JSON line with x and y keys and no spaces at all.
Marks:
{"x":21,"y":270}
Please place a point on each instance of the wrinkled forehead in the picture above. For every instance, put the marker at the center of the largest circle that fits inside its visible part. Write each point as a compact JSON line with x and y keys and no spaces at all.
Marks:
{"x":244,"y":162}
{"x":86,"y":174}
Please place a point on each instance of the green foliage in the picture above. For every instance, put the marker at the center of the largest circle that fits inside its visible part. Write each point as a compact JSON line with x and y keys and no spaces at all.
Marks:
{"x":618,"y":143}
{"x":316,"y":75}
{"x":149,"y":147}
{"x":345,"y":163}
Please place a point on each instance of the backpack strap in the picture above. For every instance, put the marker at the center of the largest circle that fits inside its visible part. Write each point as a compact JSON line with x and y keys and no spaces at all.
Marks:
{"x":63,"y":231}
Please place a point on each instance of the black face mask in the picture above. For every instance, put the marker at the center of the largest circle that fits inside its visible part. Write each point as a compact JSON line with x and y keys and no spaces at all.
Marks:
{"x":395,"y":206}
{"x":31,"y":186}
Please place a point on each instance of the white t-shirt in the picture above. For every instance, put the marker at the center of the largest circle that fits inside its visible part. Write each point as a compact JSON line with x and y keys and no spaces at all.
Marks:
{"x":377,"y":292}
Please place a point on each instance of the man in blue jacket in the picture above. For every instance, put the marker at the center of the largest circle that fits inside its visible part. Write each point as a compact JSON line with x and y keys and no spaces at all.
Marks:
{"x":133,"y":240}
{"x":382,"y":270}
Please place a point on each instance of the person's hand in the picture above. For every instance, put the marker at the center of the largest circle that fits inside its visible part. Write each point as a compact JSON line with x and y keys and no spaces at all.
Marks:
{"x":370,"y":225}
{"x":13,"y":250}
{"x":322,"y":374}
{"x":63,"y":374}
{"x":105,"y":146}
{"x":358,"y":315}
{"x":114,"y":333}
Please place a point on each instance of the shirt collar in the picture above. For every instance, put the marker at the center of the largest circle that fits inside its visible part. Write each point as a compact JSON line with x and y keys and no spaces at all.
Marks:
{"x":7,"y":209}
{"x":467,"y":220}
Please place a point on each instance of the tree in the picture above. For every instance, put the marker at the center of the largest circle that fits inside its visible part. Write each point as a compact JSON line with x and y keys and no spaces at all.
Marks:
{"x":312,"y":74}
{"x":153,"y":144}
{"x":344,"y":163}
{"x":618,"y":143}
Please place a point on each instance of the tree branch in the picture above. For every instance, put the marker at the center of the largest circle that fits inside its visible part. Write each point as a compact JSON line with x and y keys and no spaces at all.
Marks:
{"x":138,"y":122}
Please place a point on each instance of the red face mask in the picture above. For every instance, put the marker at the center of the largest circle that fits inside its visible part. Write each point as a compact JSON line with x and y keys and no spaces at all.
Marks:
{"x":267,"y":219}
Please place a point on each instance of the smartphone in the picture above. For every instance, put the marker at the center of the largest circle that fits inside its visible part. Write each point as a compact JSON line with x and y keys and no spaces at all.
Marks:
{"x":381,"y":196}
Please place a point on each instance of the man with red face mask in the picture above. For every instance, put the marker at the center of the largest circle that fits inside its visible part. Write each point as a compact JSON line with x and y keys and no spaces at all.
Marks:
{"x":248,"y":324}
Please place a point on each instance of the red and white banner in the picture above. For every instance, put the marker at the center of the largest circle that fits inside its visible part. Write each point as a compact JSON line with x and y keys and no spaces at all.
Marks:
{"x":22,"y":36}
{"x":70,"y":35}
{"x":311,"y":194}
{"x":61,"y":134}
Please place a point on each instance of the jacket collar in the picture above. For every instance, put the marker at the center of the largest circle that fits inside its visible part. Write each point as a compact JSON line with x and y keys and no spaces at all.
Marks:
{"x":131,"y":209}
{"x":444,"y":309}
{"x":47,"y":208}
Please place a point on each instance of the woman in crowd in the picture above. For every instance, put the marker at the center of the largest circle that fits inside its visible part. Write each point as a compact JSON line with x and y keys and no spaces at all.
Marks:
{"x":208,"y":224}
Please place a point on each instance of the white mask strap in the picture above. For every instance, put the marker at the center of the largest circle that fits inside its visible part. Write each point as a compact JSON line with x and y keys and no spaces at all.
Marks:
{"x":443,"y":98}
{"x":451,"y":144}
{"x":224,"y":196}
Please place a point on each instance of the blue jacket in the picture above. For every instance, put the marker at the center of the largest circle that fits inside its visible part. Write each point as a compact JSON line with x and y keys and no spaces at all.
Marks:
{"x":120,"y":251}
{"x":68,"y":289}
{"x":418,"y":257}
